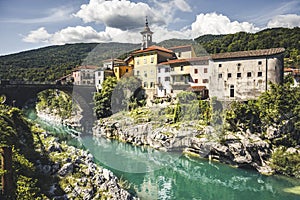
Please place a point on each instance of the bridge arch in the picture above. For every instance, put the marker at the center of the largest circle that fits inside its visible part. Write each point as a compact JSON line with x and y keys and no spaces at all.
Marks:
{"x":18,"y":94}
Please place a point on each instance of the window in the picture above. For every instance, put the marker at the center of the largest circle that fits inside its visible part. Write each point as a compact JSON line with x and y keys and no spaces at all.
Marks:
{"x":126,"y":70}
{"x":167,"y":69}
{"x":259,"y":74}
{"x":145,"y":84}
{"x":116,"y":70}
{"x":231,"y":91}
{"x":159,"y":80}
{"x":239,"y":64}
{"x":229,"y":75}
{"x":137,"y":61}
{"x":145,"y":60}
{"x":167,"y":78}
{"x":181,"y":68}
{"x":181,"y":78}
{"x":145,"y":73}
{"x":205,"y":81}
{"x":239,"y":75}
{"x":248,"y":74}
{"x":220,"y":65}
{"x":196,"y":80}
{"x":151,"y":85}
{"x":137,"y":73}
{"x":220,"y":75}
{"x":99,"y":82}
{"x":196,"y":71}
{"x":152,"y":59}
{"x":259,"y":62}
{"x":158,"y":70}
{"x":205,"y":70}
{"x":99,"y":74}
{"x":172,"y":69}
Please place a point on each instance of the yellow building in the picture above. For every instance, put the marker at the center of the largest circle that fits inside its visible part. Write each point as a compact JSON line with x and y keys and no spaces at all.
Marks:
{"x":145,"y":66}
{"x":123,"y":71}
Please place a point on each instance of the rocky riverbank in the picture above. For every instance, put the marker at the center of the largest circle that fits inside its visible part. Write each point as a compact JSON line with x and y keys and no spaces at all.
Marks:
{"x":241,"y":149}
{"x":79,"y":176}
{"x":47,"y":115}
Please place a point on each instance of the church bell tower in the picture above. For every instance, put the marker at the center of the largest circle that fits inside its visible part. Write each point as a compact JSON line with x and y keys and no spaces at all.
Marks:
{"x":147,"y":36}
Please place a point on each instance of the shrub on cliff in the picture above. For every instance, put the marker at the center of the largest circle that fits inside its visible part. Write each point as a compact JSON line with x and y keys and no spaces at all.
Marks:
{"x":286,"y":162}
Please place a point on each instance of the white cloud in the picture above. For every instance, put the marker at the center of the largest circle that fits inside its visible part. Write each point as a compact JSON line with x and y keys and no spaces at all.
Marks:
{"x":183,"y":6}
{"x":122,"y":14}
{"x":213,"y":23}
{"x":37,"y":36}
{"x":67,"y":35}
{"x":287,"y":21}
{"x":79,"y":34}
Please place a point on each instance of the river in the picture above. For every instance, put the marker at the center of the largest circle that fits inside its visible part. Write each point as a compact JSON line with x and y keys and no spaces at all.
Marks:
{"x":158,"y":175}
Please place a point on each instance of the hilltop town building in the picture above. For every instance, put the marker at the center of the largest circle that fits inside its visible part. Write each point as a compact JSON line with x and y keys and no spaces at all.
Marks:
{"x":84,"y":75}
{"x":244,"y":75}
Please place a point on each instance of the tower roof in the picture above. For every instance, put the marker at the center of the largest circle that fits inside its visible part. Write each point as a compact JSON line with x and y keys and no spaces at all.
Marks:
{"x":146,"y":28}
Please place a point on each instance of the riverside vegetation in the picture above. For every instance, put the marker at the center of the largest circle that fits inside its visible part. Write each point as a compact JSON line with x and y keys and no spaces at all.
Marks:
{"x":262,"y":134}
{"x":44,"y":168}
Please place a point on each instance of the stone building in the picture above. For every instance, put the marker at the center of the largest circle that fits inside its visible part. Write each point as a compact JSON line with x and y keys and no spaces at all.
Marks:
{"x":246,"y":74}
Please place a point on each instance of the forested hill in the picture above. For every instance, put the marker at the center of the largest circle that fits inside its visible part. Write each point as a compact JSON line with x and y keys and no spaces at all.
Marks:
{"x":268,"y":38}
{"x":52,"y":62}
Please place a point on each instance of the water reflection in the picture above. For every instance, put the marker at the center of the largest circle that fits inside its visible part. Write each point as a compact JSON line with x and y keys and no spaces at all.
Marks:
{"x":183,"y":177}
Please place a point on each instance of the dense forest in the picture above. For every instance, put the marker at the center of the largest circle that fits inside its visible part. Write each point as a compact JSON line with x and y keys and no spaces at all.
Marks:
{"x":53,"y":62}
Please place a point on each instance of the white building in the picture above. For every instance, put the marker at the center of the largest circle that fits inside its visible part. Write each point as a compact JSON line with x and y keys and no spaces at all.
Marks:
{"x":199,"y":71}
{"x":244,"y":75}
{"x":84,"y":75}
{"x":100,"y":75}
{"x":164,"y":88}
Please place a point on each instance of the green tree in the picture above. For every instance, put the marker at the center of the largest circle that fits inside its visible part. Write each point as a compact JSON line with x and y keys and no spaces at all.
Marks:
{"x":102,"y":99}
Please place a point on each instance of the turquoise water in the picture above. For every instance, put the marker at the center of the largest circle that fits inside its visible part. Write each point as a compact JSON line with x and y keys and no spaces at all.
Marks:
{"x":158,"y":175}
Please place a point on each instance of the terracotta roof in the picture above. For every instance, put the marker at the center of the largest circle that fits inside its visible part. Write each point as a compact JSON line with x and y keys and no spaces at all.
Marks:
{"x":196,"y":88}
{"x":174,"y":61}
{"x":186,"y":60}
{"x":115,"y":60}
{"x":153,"y":48}
{"x":252,"y":53}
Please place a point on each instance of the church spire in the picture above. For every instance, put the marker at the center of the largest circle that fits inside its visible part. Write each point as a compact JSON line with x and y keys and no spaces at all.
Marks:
{"x":147,"y":36}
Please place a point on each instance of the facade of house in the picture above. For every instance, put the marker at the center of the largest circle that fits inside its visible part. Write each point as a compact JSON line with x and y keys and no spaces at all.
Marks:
{"x":100,"y":75}
{"x":84,"y":75}
{"x":199,"y":72}
{"x":244,"y":75}
{"x":186,"y":51}
{"x":145,"y":66}
{"x":164,"y":88}
{"x":110,"y":63}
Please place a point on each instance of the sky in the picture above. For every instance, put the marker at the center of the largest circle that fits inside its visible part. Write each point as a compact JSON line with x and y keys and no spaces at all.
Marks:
{"x":30,"y":24}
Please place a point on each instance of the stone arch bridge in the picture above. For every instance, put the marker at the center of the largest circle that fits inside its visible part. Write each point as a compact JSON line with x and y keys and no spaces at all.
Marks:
{"x":19,"y":93}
